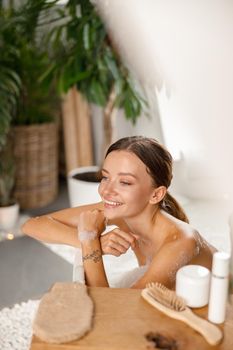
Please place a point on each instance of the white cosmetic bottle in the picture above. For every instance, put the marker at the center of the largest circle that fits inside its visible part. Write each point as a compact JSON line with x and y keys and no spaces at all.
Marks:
{"x":219,"y":287}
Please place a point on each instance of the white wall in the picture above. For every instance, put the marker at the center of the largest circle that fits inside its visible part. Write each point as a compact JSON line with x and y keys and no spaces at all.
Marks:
{"x":183,"y":50}
{"x":147,"y":125}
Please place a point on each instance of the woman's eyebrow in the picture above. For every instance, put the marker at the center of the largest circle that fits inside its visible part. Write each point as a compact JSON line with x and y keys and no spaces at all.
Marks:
{"x":126,"y":174}
{"x":121,"y":173}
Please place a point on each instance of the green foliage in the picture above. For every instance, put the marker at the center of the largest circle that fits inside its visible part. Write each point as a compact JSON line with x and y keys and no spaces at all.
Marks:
{"x":36,"y":104}
{"x":83,"y":55}
{"x":80,"y":53}
{"x":25,"y":59}
{"x":10,"y":82}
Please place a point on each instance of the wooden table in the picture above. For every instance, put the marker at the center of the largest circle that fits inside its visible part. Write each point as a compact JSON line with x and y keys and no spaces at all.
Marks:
{"x":122,"y":319}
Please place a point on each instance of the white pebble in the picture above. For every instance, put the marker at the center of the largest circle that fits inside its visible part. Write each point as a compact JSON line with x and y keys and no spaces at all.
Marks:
{"x":16,"y":325}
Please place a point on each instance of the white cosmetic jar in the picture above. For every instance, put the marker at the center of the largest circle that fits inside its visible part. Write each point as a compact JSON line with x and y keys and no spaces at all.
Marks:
{"x":193,"y":284}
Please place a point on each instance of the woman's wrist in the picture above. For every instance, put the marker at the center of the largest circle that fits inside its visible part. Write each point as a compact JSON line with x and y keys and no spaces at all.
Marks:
{"x":91,"y":249}
{"x":87,"y":235}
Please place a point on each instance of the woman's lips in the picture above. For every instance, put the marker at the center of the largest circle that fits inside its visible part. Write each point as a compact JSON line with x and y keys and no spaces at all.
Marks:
{"x":111,"y":204}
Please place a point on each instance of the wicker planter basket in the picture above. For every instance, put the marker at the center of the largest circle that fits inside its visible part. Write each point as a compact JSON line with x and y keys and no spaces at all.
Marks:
{"x":36,"y":155}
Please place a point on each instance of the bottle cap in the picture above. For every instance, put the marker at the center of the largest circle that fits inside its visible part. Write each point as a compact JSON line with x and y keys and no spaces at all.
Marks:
{"x":221,"y":262}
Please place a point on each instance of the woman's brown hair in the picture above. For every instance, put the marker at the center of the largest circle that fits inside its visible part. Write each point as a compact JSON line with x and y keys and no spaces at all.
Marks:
{"x":158,"y":162}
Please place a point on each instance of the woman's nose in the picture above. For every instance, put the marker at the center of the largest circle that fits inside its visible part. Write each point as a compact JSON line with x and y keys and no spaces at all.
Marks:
{"x":109,"y":187}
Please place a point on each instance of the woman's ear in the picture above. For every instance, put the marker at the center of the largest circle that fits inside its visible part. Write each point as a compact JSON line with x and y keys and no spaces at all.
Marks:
{"x":158,"y":194}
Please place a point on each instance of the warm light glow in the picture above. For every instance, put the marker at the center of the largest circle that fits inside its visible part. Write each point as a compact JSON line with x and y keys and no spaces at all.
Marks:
{"x":10,"y":236}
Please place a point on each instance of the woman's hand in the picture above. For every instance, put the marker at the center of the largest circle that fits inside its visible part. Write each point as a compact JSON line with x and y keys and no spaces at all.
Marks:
{"x":91,"y":221}
{"x":117,"y":242}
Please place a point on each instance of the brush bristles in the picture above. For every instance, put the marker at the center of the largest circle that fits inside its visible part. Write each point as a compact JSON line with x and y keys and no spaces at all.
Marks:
{"x":165,"y":296}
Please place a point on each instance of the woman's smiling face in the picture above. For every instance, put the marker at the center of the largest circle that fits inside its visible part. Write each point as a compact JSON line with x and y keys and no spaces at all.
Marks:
{"x":126,"y":187}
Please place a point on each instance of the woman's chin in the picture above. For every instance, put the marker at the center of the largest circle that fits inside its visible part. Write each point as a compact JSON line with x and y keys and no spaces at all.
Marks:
{"x":111,"y":214}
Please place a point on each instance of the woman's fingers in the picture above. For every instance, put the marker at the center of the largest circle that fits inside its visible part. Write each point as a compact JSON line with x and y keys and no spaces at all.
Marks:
{"x":115,"y":250}
{"x":111,"y":251}
{"x":118,"y":246}
{"x":91,"y":220}
{"x":117,"y":241}
{"x":125,"y":235}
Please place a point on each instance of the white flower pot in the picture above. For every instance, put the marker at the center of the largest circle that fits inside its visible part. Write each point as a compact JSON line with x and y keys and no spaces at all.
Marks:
{"x":9,"y":216}
{"x":82,"y":192}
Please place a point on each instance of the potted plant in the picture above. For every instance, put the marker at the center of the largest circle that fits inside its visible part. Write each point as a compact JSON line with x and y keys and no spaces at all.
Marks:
{"x":83,"y":56}
{"x":36,"y":133}
{"x":34,"y":119}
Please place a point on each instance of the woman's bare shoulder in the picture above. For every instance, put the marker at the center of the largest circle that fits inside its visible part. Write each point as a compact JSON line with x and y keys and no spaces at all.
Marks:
{"x":183,"y":239}
{"x":176,"y":252}
{"x":177,"y":230}
{"x":193,"y":246}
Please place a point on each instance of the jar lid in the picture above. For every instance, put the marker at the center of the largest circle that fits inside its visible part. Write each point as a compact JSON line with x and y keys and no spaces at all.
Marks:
{"x":195,"y":273}
{"x":192,"y":284}
{"x":221,"y":262}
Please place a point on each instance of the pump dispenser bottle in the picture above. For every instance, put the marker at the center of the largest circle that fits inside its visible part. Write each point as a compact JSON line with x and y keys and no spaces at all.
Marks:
{"x":219,"y":287}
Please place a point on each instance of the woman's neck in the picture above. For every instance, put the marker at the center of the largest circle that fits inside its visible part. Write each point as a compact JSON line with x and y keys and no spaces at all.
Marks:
{"x":144,"y":224}
{"x":151,"y":232}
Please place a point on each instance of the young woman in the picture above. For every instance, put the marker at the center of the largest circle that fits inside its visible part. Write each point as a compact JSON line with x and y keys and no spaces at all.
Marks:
{"x":136,"y":174}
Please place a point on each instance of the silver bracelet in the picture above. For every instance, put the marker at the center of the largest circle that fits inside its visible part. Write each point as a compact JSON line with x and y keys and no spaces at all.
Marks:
{"x":87,"y":235}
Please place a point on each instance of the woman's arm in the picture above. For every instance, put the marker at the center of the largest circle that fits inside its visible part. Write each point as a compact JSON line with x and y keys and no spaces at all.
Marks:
{"x":61,"y":227}
{"x":57,"y":227}
{"x":93,"y":264}
{"x":47,"y":229}
{"x":89,"y":237}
